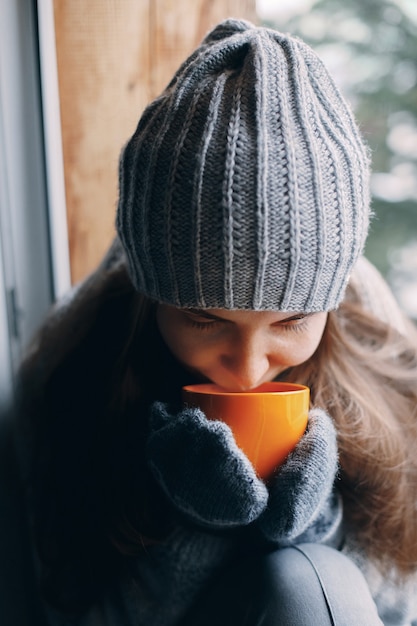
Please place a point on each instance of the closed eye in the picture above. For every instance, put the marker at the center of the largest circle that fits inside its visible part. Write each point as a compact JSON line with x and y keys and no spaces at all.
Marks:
{"x":202,"y":320}
{"x":294,"y":323}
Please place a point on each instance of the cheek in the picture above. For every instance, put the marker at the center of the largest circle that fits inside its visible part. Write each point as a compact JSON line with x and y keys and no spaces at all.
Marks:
{"x":188,"y":352}
{"x":298,"y":352}
{"x":195,"y":357}
{"x":196,"y":353}
{"x":301,"y":347}
{"x":181,"y":343}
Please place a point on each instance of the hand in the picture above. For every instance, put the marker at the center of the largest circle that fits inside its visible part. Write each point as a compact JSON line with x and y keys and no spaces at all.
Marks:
{"x":301,"y":493}
{"x":201,"y":469}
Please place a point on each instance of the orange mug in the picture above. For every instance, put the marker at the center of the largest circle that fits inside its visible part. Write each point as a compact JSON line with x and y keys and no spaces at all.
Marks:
{"x":267,"y":421}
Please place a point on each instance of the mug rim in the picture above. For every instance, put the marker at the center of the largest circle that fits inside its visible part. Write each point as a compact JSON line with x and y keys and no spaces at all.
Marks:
{"x":269,"y":388}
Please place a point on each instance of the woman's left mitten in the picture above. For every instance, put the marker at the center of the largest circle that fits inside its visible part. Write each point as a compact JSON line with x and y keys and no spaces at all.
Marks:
{"x":301,"y":492}
{"x":201,"y":469}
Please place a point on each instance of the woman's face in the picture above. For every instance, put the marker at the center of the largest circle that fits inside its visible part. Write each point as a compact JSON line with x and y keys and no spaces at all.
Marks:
{"x":239,"y":350}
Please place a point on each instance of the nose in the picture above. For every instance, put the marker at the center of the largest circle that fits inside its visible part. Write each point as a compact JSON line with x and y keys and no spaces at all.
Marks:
{"x":246,"y":364}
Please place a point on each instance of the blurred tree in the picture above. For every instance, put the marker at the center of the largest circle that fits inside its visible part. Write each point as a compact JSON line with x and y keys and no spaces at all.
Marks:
{"x":370,"y":47}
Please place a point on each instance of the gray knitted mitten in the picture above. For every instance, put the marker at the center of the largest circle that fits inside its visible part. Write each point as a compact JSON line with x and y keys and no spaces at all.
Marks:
{"x":201,"y":469}
{"x":301,"y":496}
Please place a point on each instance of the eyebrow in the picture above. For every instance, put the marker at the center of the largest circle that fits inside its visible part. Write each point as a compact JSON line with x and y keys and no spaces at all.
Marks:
{"x":204,"y":313}
{"x":212,"y":316}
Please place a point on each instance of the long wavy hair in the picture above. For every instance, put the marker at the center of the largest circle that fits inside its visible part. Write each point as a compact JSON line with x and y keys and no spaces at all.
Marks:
{"x":365,"y":375}
{"x":84,"y":386}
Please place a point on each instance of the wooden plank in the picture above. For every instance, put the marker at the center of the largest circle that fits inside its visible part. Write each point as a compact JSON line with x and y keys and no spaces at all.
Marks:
{"x":178,"y":26}
{"x":103,"y":69}
{"x":113,"y":57}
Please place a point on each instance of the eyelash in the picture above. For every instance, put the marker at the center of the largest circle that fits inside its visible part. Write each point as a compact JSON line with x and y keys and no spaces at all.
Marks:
{"x":202,"y":325}
{"x":295,"y":325}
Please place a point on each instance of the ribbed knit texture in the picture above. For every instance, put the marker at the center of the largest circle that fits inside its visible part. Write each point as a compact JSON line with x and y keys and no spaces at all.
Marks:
{"x":245,"y":185}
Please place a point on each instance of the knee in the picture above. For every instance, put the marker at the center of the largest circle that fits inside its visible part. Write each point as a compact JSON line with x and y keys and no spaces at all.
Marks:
{"x":298,"y":569}
{"x":287,"y":571}
{"x":315,"y":580}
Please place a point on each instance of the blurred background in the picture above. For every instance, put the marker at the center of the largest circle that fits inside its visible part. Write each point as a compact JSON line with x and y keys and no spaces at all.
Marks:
{"x":75,"y":76}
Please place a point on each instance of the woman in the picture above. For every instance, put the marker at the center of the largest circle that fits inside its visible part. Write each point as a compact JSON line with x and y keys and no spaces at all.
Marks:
{"x":242,"y":218}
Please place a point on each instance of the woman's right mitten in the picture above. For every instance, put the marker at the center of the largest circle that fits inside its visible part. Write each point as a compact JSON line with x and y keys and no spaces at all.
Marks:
{"x":202,"y":471}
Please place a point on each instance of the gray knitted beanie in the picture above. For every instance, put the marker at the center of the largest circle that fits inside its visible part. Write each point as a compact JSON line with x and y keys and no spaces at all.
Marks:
{"x":245,"y":185}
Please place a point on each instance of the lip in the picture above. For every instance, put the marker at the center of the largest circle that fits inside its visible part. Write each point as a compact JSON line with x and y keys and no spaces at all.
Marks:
{"x":205,"y":380}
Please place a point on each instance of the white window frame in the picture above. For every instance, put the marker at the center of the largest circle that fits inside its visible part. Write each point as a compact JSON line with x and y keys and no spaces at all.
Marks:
{"x":34,"y":257}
